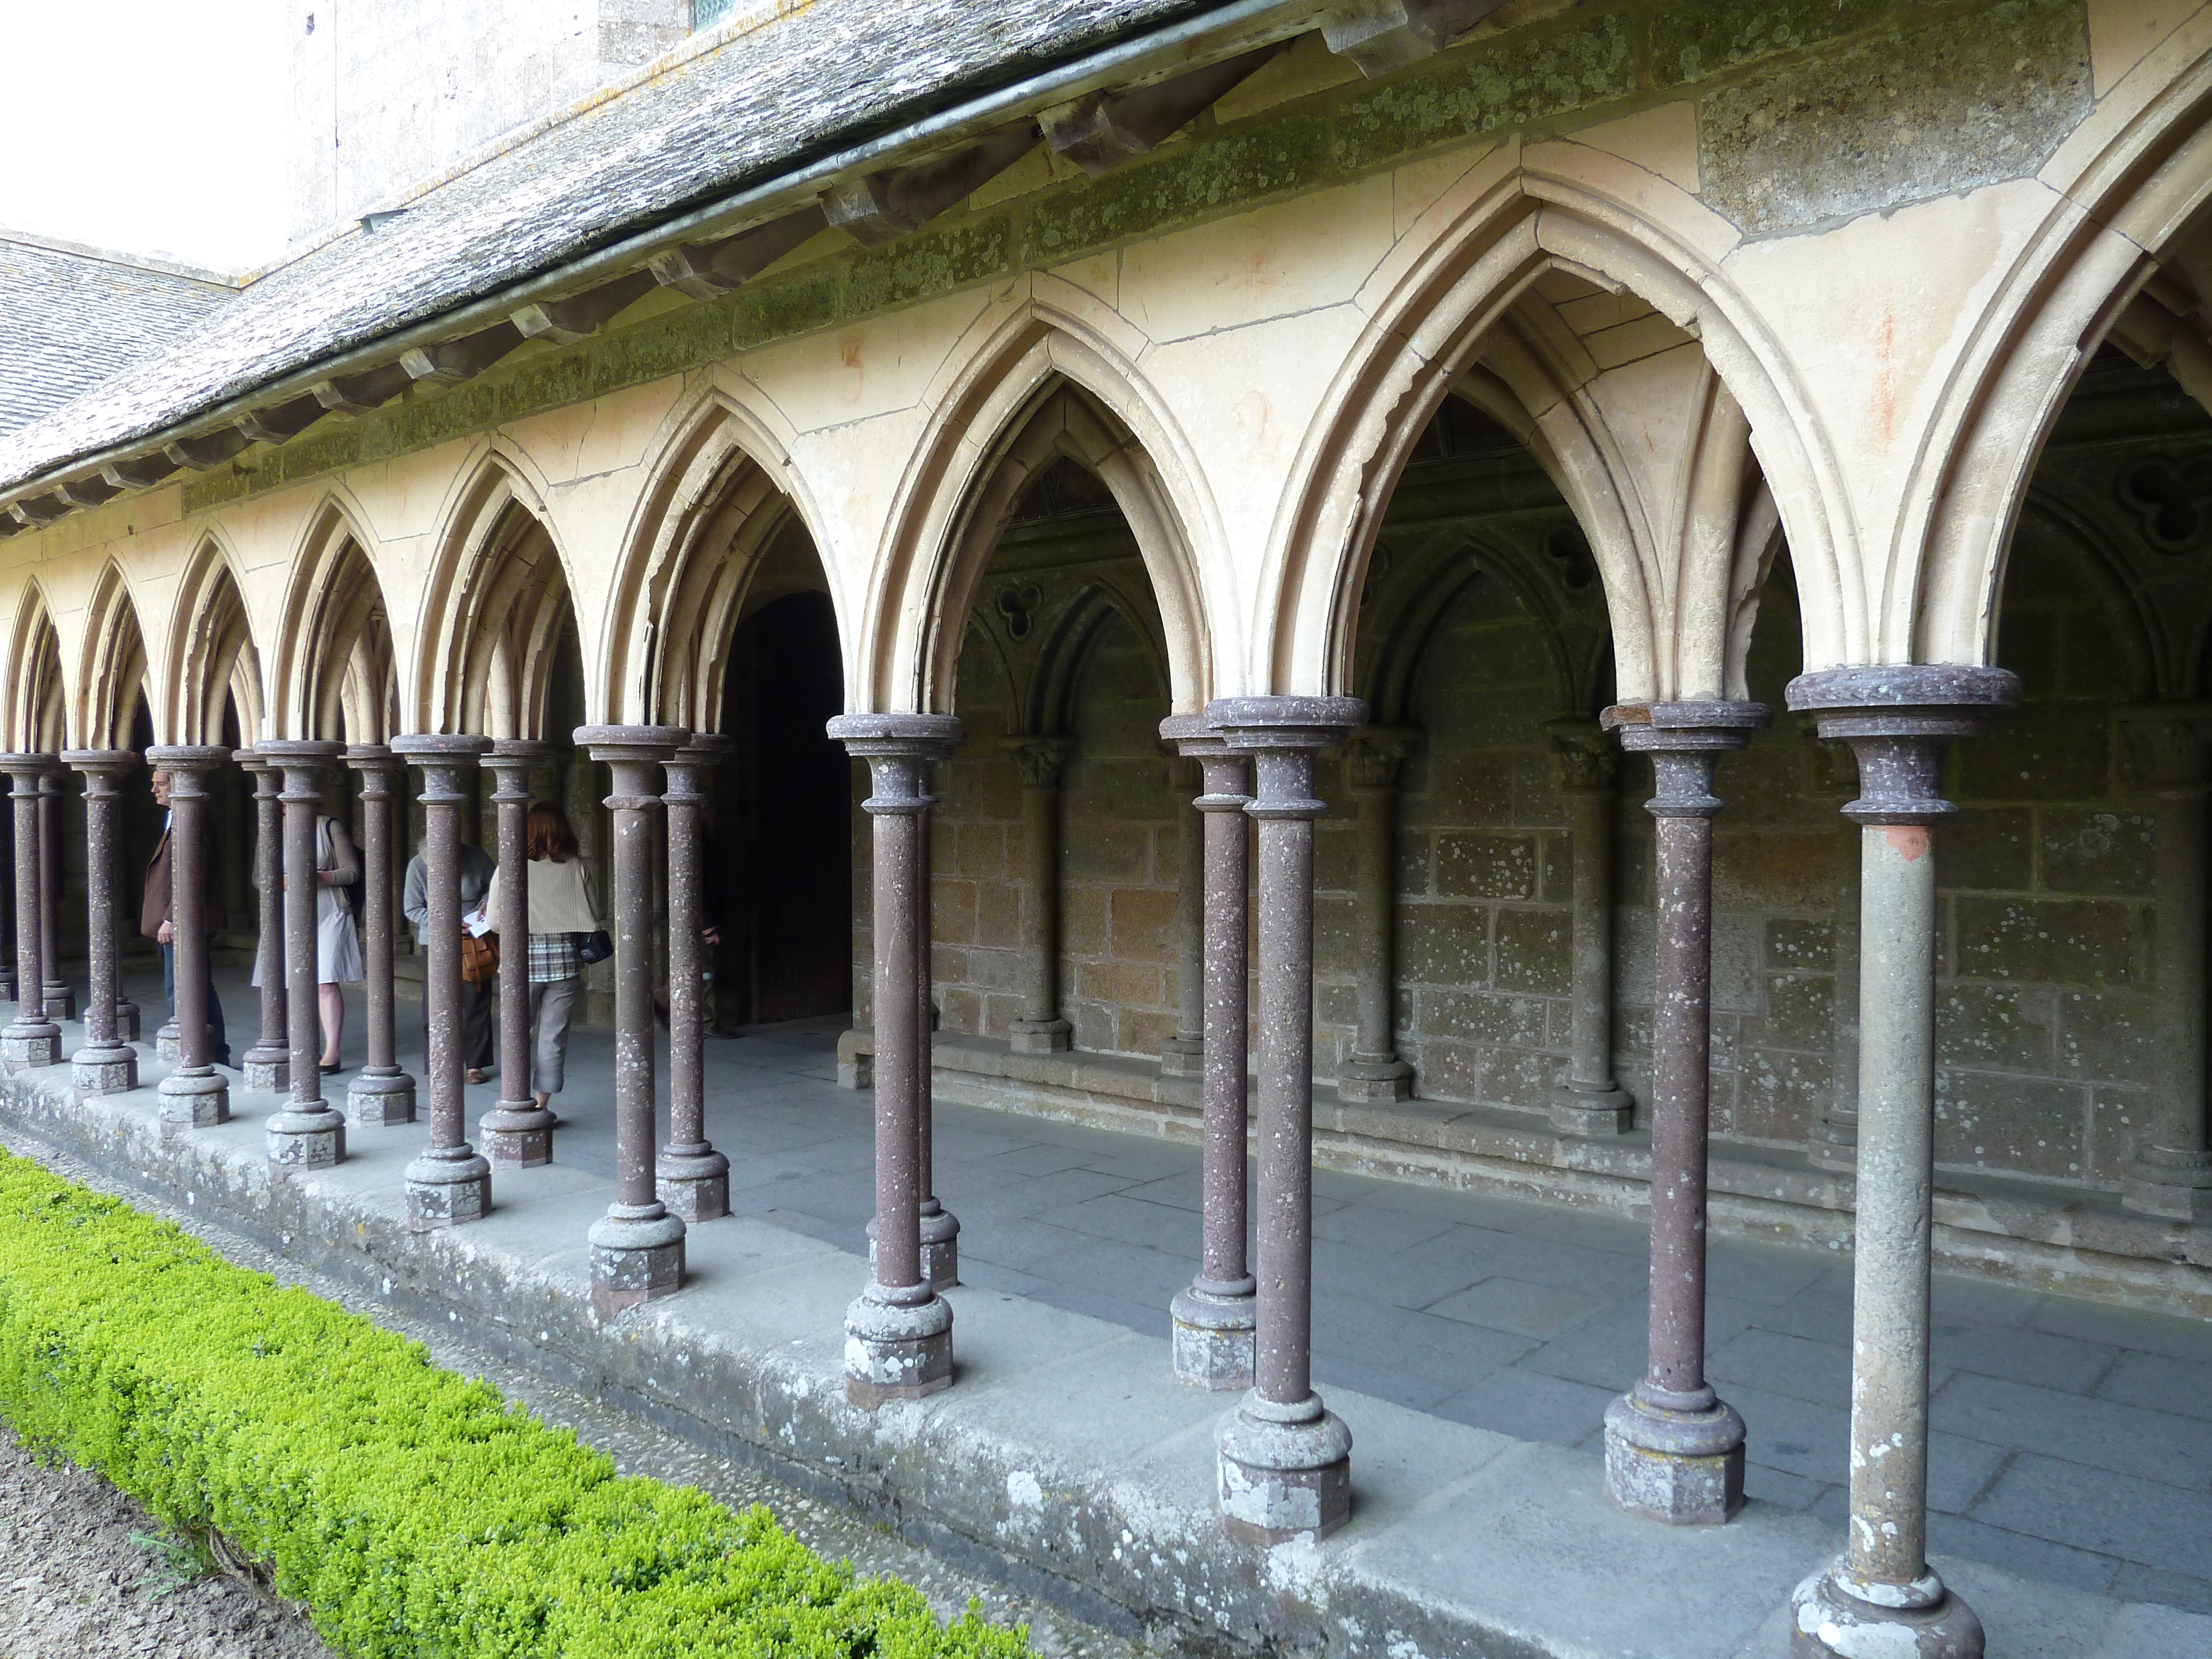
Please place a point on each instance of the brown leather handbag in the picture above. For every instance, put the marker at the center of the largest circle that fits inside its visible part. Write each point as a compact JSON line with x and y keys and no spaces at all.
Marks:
{"x":479,"y":958}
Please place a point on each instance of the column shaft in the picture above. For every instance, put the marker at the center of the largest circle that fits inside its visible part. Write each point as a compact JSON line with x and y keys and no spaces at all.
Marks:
{"x":194,"y":1095}
{"x":268,"y":1064}
{"x":941,"y":1231}
{"x":1040,"y":1031}
{"x":308,"y":1134}
{"x":1374,"y":1071}
{"x":1591,"y":1101}
{"x":899,"y":1332}
{"x":1184,"y":1055}
{"x":32,"y":1039}
{"x":637,"y":1247}
{"x":1674,"y":1449}
{"x":1900,"y":722}
{"x":693,"y":1179}
{"x":449,"y":1184}
{"x":380,"y":1093}
{"x":60,"y":1000}
{"x":517,"y":1132}
{"x":106,"y":1064}
{"x":1832,"y":1141}
{"x":1285,"y":1464}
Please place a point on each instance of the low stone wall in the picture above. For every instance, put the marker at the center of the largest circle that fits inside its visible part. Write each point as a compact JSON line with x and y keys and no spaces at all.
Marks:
{"x":2014,"y":1232}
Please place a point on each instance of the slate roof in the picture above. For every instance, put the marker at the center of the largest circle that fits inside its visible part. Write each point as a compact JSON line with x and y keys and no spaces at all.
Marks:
{"x":70,"y":320}
{"x":808,"y":85}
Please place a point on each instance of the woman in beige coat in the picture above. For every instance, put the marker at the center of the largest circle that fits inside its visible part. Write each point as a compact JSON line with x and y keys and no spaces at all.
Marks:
{"x":564,"y":912}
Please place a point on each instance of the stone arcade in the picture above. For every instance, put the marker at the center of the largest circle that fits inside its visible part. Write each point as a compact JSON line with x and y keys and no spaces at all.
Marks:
{"x":1605,"y":603}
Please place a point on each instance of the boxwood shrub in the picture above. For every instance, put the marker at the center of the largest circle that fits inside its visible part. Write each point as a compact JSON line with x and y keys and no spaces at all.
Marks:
{"x":414,"y":1513}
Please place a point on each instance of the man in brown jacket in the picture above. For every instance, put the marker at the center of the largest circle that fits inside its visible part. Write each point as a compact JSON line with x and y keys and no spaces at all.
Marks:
{"x":154,"y":922}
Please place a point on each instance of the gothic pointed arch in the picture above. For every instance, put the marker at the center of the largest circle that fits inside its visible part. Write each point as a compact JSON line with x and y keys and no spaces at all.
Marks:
{"x":334,"y":664}
{"x":1502,"y":293}
{"x":725,"y":496}
{"x":211,"y":654}
{"x":37,"y":703}
{"x":111,"y":676}
{"x":1036,"y":390}
{"x":495,"y":607}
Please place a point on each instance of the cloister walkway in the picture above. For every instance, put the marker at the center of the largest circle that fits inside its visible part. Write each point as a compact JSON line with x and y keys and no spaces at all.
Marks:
{"x":2073,"y":1442}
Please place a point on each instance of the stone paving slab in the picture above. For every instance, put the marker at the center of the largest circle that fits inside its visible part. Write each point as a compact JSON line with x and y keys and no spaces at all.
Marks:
{"x":1066,"y":1452}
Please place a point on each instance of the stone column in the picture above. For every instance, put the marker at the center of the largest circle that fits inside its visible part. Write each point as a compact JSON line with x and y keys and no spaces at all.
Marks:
{"x":449,"y":1183}
{"x":1590,"y":1101}
{"x":517,"y":1133}
{"x":1215,"y":1316}
{"x":380,"y":1093}
{"x":1040,"y":1031}
{"x":1371,"y":762}
{"x":194,"y":1095}
{"x":1832,"y":1142}
{"x":637,"y":1247}
{"x":1285,"y":1461}
{"x":106,"y":1064}
{"x":32,"y":1038}
{"x":2169,"y":1169}
{"x":1882,"y":1596}
{"x":899,"y":1335}
{"x":60,"y":1000}
{"x":1184,"y":1055}
{"x":941,"y":1231}
{"x":268,"y":1064}
{"x":1674,"y":1449}
{"x":693,"y":1179}
{"x":309,"y":1134}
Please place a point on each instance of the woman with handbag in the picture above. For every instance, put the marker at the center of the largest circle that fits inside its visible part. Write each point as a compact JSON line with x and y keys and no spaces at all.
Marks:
{"x":564,"y":934}
{"x":337,"y":939}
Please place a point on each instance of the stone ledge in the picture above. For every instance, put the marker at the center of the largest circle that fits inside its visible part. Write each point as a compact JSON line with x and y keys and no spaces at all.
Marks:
{"x":2018,"y":1232}
{"x":1065,"y":1456}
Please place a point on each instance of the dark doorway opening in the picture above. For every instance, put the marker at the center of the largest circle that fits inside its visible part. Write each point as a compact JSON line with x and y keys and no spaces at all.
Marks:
{"x":780,"y":852}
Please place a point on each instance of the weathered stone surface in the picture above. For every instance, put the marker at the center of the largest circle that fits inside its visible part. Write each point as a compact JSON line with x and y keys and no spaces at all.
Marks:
{"x":2055,"y":941}
{"x":1891,"y":120}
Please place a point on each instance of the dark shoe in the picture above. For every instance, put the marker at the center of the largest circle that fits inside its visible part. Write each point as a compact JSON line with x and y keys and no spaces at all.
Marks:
{"x":476,"y":1074}
{"x":329,"y":1066}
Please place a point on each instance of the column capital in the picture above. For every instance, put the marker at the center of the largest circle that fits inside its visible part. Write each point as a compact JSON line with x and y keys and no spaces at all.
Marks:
{"x":1258,"y":724}
{"x":27,"y":768}
{"x":101,"y":763}
{"x":511,"y":760}
{"x":1900,"y":721}
{"x":1587,"y":754}
{"x":2167,"y":744}
{"x":377,"y":765}
{"x":185,"y":762}
{"x":685,"y":766}
{"x":251,"y":763}
{"x":1707,"y":726}
{"x":867,"y":736}
{"x":441,"y":755}
{"x":646,"y":745}
{"x":1373,"y":755}
{"x":301,"y":759}
{"x":1039,"y":758}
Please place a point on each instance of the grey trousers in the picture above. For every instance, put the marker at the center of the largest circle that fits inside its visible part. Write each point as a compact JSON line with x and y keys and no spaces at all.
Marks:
{"x":552,"y":1006}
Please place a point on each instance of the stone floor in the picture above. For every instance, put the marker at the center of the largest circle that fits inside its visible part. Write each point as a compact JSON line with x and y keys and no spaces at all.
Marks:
{"x":2073,"y":1443}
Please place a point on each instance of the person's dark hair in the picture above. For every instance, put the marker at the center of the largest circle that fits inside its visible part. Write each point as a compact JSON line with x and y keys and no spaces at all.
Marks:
{"x":547,"y":832}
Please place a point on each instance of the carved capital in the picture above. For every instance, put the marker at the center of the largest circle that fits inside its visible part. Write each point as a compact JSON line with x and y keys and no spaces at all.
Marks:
{"x":2167,"y":744}
{"x":1039,"y":759}
{"x":1374,"y":754}
{"x":1586,"y":754}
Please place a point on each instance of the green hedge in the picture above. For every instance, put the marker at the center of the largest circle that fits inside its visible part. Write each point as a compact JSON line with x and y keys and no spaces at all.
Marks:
{"x":414,"y":1513}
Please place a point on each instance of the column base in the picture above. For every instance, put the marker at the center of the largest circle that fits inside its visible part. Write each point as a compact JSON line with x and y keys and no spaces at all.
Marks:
{"x":941,"y":1248}
{"x":1182,"y":1056}
{"x":1600,"y":1112}
{"x":1829,"y":1619}
{"x":896,"y":1349}
{"x":637,"y":1255}
{"x":105,"y":1069}
{"x":126,"y":1021}
{"x":1364,"y":1080}
{"x":29,"y":1044}
{"x":1833,"y":1145}
{"x":1285,"y":1470}
{"x":378,"y":1099}
{"x":1040,"y":1037}
{"x":693,"y":1186}
{"x":1684,"y":1467}
{"x":307,"y":1138}
{"x":168,"y":1044}
{"x":267,"y":1070}
{"x":517,"y":1137}
{"x":2177,"y":1185}
{"x":447,"y":1188}
{"x":1214,"y":1337}
{"x":193,"y":1100}
{"x":61,"y":1002}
